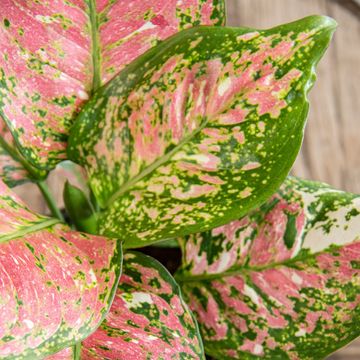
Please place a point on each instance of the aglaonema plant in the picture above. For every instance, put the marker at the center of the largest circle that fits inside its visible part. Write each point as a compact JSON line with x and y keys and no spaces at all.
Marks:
{"x":184,"y":132}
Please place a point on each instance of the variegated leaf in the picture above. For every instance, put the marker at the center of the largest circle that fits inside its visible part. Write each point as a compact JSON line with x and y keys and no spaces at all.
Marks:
{"x":148,"y":318}
{"x":55,"y":53}
{"x":282,"y":282}
{"x":56,"y":285}
{"x":13,"y":168}
{"x":200,"y":129}
{"x":66,"y":354}
{"x":73,"y":173}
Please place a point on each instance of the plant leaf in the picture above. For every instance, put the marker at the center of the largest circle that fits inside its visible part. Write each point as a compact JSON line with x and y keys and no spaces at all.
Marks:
{"x":56,"y":285}
{"x":13,"y":168}
{"x":12,"y":171}
{"x":282,"y":282}
{"x":200,"y":129}
{"x":75,"y":174}
{"x":148,"y":318}
{"x":66,"y":354}
{"x":79,"y":209}
{"x":79,"y":45}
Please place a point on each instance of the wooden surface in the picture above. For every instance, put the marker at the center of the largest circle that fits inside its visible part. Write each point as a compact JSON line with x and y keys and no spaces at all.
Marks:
{"x":331,"y":149}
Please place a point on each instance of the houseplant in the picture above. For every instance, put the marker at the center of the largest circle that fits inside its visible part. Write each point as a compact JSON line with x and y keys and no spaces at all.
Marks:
{"x":184,"y":133}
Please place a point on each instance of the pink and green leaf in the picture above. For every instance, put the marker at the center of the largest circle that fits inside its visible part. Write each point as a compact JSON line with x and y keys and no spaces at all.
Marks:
{"x":66,"y":354}
{"x":200,"y":129}
{"x":55,"y":54}
{"x":56,"y":285}
{"x":14,"y":170}
{"x":148,"y":318}
{"x":282,"y":282}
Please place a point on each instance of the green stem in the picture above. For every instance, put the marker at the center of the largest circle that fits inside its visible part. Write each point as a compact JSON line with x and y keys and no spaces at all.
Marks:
{"x":77,"y":351}
{"x":95,"y":39}
{"x":55,"y":211}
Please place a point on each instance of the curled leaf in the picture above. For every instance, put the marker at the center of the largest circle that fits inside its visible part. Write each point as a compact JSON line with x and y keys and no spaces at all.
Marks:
{"x":14,"y":170}
{"x":200,"y":129}
{"x":55,"y":54}
{"x":148,"y":318}
{"x":282,"y":282}
{"x":79,"y":209}
{"x":56,"y":285}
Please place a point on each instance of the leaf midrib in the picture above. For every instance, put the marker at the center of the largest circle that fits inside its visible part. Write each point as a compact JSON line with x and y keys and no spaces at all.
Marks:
{"x":157,"y":163}
{"x":29,"y":229}
{"x":95,"y":45}
{"x":239,"y":270}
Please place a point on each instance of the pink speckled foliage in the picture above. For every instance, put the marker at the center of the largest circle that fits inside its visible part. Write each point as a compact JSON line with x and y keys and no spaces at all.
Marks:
{"x":177,"y":131}
{"x":282,"y":282}
{"x":148,"y":318}
{"x":12,"y":171}
{"x":200,"y":129}
{"x":56,"y":54}
{"x":56,"y":284}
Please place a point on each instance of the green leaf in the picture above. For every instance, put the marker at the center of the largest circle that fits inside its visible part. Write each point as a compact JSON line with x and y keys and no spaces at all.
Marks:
{"x":55,"y":54}
{"x":200,"y":129}
{"x":79,"y":209}
{"x":148,"y":318}
{"x":168,"y":243}
{"x":56,"y":285}
{"x":260,"y":290}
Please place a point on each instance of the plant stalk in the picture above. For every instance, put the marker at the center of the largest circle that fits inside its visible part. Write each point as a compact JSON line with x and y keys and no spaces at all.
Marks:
{"x":50,"y":201}
{"x":77,"y":351}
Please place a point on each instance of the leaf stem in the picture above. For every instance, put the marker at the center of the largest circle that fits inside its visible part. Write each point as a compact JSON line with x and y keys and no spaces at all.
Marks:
{"x":50,"y":201}
{"x":77,"y":351}
{"x":23,"y":231}
{"x":94,"y":26}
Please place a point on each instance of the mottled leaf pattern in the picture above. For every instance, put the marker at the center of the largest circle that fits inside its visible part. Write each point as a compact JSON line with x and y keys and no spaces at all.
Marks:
{"x":73,"y":173}
{"x":148,"y":318}
{"x":11,"y":171}
{"x":282,"y":282}
{"x":200,"y":129}
{"x":55,"y":53}
{"x":13,"y":168}
{"x":56,"y":285}
{"x":66,"y":354}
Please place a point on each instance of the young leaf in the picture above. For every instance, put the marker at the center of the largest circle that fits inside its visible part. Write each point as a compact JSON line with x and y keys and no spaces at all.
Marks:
{"x":148,"y":318}
{"x":200,"y":129}
{"x":54,"y":54}
{"x":80,"y":209}
{"x":56,"y":285}
{"x":13,"y":168}
{"x":75,"y":174}
{"x":282,"y":282}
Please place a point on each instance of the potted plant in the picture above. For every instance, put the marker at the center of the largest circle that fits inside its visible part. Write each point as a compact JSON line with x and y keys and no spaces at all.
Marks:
{"x":184,"y":131}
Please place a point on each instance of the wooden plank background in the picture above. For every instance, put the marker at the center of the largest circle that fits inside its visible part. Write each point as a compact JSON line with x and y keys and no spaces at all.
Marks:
{"x":331,"y":149}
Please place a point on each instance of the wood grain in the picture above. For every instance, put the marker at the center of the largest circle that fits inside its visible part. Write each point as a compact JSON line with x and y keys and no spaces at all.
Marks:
{"x":331,"y":148}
